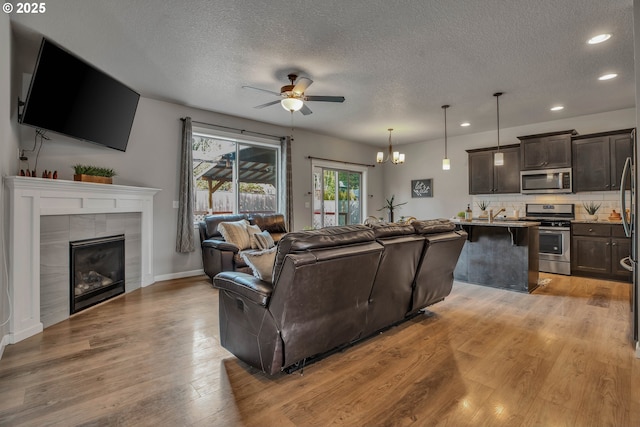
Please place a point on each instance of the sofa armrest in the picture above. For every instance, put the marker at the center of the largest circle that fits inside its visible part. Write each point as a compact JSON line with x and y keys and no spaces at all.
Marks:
{"x":220,"y":245}
{"x":244,"y":285}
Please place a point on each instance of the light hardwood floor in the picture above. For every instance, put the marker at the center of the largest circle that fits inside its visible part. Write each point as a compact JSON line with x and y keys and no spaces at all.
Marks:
{"x":561,"y":356}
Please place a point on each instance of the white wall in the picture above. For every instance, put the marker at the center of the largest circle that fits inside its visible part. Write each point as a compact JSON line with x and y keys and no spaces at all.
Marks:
{"x":451,"y":188}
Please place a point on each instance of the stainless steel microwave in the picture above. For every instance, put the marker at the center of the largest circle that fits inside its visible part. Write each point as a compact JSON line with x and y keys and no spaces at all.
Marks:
{"x":546,"y":181}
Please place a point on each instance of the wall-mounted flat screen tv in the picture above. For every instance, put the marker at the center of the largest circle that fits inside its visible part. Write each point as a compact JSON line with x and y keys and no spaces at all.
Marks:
{"x":71,"y":97}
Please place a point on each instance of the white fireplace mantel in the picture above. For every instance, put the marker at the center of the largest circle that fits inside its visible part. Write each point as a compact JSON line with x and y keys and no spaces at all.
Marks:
{"x":31,"y":198}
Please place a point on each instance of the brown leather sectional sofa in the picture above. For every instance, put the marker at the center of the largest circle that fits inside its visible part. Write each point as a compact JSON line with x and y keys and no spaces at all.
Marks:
{"x":218,"y":255}
{"x":333,"y":287}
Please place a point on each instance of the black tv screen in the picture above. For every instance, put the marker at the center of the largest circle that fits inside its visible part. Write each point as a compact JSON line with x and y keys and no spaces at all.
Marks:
{"x":73,"y":98}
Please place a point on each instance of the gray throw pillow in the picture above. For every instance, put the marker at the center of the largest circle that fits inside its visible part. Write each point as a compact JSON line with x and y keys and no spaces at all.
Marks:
{"x":264,"y":240}
{"x":261,"y":263}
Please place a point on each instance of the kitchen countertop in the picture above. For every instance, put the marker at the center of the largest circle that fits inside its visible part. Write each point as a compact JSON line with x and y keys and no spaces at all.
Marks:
{"x":501,"y":223}
{"x":586,"y":221}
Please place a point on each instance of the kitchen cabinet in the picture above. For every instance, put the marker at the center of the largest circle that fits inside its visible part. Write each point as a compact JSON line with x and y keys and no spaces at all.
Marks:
{"x":546,"y":151}
{"x":485,"y":178}
{"x":598,"y":160}
{"x":596,"y":251}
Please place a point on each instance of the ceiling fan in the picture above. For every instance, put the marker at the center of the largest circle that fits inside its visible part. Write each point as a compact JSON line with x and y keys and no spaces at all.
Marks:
{"x":293,"y":96}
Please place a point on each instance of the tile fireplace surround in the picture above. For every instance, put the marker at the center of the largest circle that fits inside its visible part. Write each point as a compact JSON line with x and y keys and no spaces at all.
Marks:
{"x":31,"y":198}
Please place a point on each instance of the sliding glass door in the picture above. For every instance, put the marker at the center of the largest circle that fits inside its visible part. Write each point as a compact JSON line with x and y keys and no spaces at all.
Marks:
{"x":337,"y":197}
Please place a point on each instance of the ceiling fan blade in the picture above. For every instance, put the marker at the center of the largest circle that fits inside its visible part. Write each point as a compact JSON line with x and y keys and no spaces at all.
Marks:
{"x":305,"y":110}
{"x":301,"y":85}
{"x":325,"y":98}
{"x":261,"y":90}
{"x":267,"y":104}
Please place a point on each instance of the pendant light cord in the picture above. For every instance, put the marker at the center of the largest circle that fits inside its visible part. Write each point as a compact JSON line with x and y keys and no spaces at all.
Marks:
{"x":444,"y":107}
{"x":497,"y":95}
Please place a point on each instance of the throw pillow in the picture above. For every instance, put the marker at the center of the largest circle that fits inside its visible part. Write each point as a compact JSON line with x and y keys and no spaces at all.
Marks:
{"x":261,"y":263}
{"x":264,"y":240}
{"x":236,"y":232}
{"x":253,"y":230}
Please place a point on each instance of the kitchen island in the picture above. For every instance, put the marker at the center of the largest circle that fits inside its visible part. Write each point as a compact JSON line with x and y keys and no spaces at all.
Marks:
{"x":500,"y":254}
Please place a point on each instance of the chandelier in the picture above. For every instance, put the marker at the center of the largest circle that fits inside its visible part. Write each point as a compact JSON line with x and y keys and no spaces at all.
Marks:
{"x":396,"y":157}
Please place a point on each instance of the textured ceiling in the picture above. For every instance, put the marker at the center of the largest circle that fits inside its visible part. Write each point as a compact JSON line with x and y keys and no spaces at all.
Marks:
{"x":396,"y":62}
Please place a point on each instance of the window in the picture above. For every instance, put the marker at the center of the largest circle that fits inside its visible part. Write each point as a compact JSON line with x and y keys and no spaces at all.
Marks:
{"x":234,"y":175}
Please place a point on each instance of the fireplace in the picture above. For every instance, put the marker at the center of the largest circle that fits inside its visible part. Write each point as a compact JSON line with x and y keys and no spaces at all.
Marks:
{"x":96,"y":271}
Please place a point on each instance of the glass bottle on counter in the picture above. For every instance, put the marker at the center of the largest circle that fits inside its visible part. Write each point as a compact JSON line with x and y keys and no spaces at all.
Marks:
{"x":468,"y":214}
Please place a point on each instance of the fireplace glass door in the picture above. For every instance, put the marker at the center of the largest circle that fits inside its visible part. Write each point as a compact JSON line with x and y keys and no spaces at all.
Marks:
{"x":97,"y":271}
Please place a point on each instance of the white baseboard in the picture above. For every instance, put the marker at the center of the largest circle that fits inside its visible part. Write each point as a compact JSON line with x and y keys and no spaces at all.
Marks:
{"x":180,"y":275}
{"x":3,"y":343}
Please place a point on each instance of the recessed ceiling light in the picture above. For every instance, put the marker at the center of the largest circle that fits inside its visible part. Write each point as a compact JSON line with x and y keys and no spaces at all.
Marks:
{"x":557,"y":108}
{"x":599,"y":38}
{"x":465,"y":124}
{"x":608,"y":76}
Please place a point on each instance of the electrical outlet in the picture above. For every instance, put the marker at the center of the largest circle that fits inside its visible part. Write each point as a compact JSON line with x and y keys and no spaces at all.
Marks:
{"x":176,"y":205}
{"x":307,"y":205}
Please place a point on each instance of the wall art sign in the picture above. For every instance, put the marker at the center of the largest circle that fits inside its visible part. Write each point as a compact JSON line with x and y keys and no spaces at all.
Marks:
{"x":422,"y":187}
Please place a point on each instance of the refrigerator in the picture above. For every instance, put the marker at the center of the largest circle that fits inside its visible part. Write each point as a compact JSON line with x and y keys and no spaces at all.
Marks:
{"x":628,"y":200}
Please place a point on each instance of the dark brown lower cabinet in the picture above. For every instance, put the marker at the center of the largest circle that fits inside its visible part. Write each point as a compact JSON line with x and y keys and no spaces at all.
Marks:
{"x":596,"y":251}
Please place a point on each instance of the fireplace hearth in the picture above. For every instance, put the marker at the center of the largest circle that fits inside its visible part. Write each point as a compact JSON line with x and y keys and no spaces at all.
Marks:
{"x":97,"y":271}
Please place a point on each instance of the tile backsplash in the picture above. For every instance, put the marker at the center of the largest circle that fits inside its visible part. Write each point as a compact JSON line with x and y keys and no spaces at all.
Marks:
{"x":609,"y":200}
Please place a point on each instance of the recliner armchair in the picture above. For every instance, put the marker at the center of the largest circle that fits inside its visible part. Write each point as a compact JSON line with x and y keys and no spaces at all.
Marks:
{"x":219,"y":255}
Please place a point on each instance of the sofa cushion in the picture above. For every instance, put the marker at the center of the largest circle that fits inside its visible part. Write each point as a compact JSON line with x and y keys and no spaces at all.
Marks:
{"x":391,"y":230}
{"x":261,"y":263}
{"x":264,"y":240}
{"x":253,"y":230}
{"x":236,"y":232}
{"x":430,"y":226}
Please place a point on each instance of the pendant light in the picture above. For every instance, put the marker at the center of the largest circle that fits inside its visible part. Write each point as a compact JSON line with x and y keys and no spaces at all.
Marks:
{"x":396,"y":157}
{"x":498,"y":157}
{"x":446,"y":163}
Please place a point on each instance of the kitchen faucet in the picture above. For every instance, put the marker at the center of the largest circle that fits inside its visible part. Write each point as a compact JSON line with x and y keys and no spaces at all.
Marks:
{"x":493,"y":216}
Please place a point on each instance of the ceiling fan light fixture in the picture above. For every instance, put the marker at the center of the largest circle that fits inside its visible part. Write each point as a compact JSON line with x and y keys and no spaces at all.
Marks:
{"x":292,"y":104}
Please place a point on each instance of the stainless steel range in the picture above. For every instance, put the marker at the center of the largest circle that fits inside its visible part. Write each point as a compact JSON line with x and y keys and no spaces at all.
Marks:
{"x":555,"y":235}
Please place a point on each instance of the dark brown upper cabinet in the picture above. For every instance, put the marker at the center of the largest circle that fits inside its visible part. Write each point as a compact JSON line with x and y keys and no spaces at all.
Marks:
{"x":485,"y":178}
{"x":598,"y":160}
{"x":546,"y":150}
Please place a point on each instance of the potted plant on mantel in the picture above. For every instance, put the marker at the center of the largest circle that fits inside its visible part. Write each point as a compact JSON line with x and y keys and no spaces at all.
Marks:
{"x":97,"y":174}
